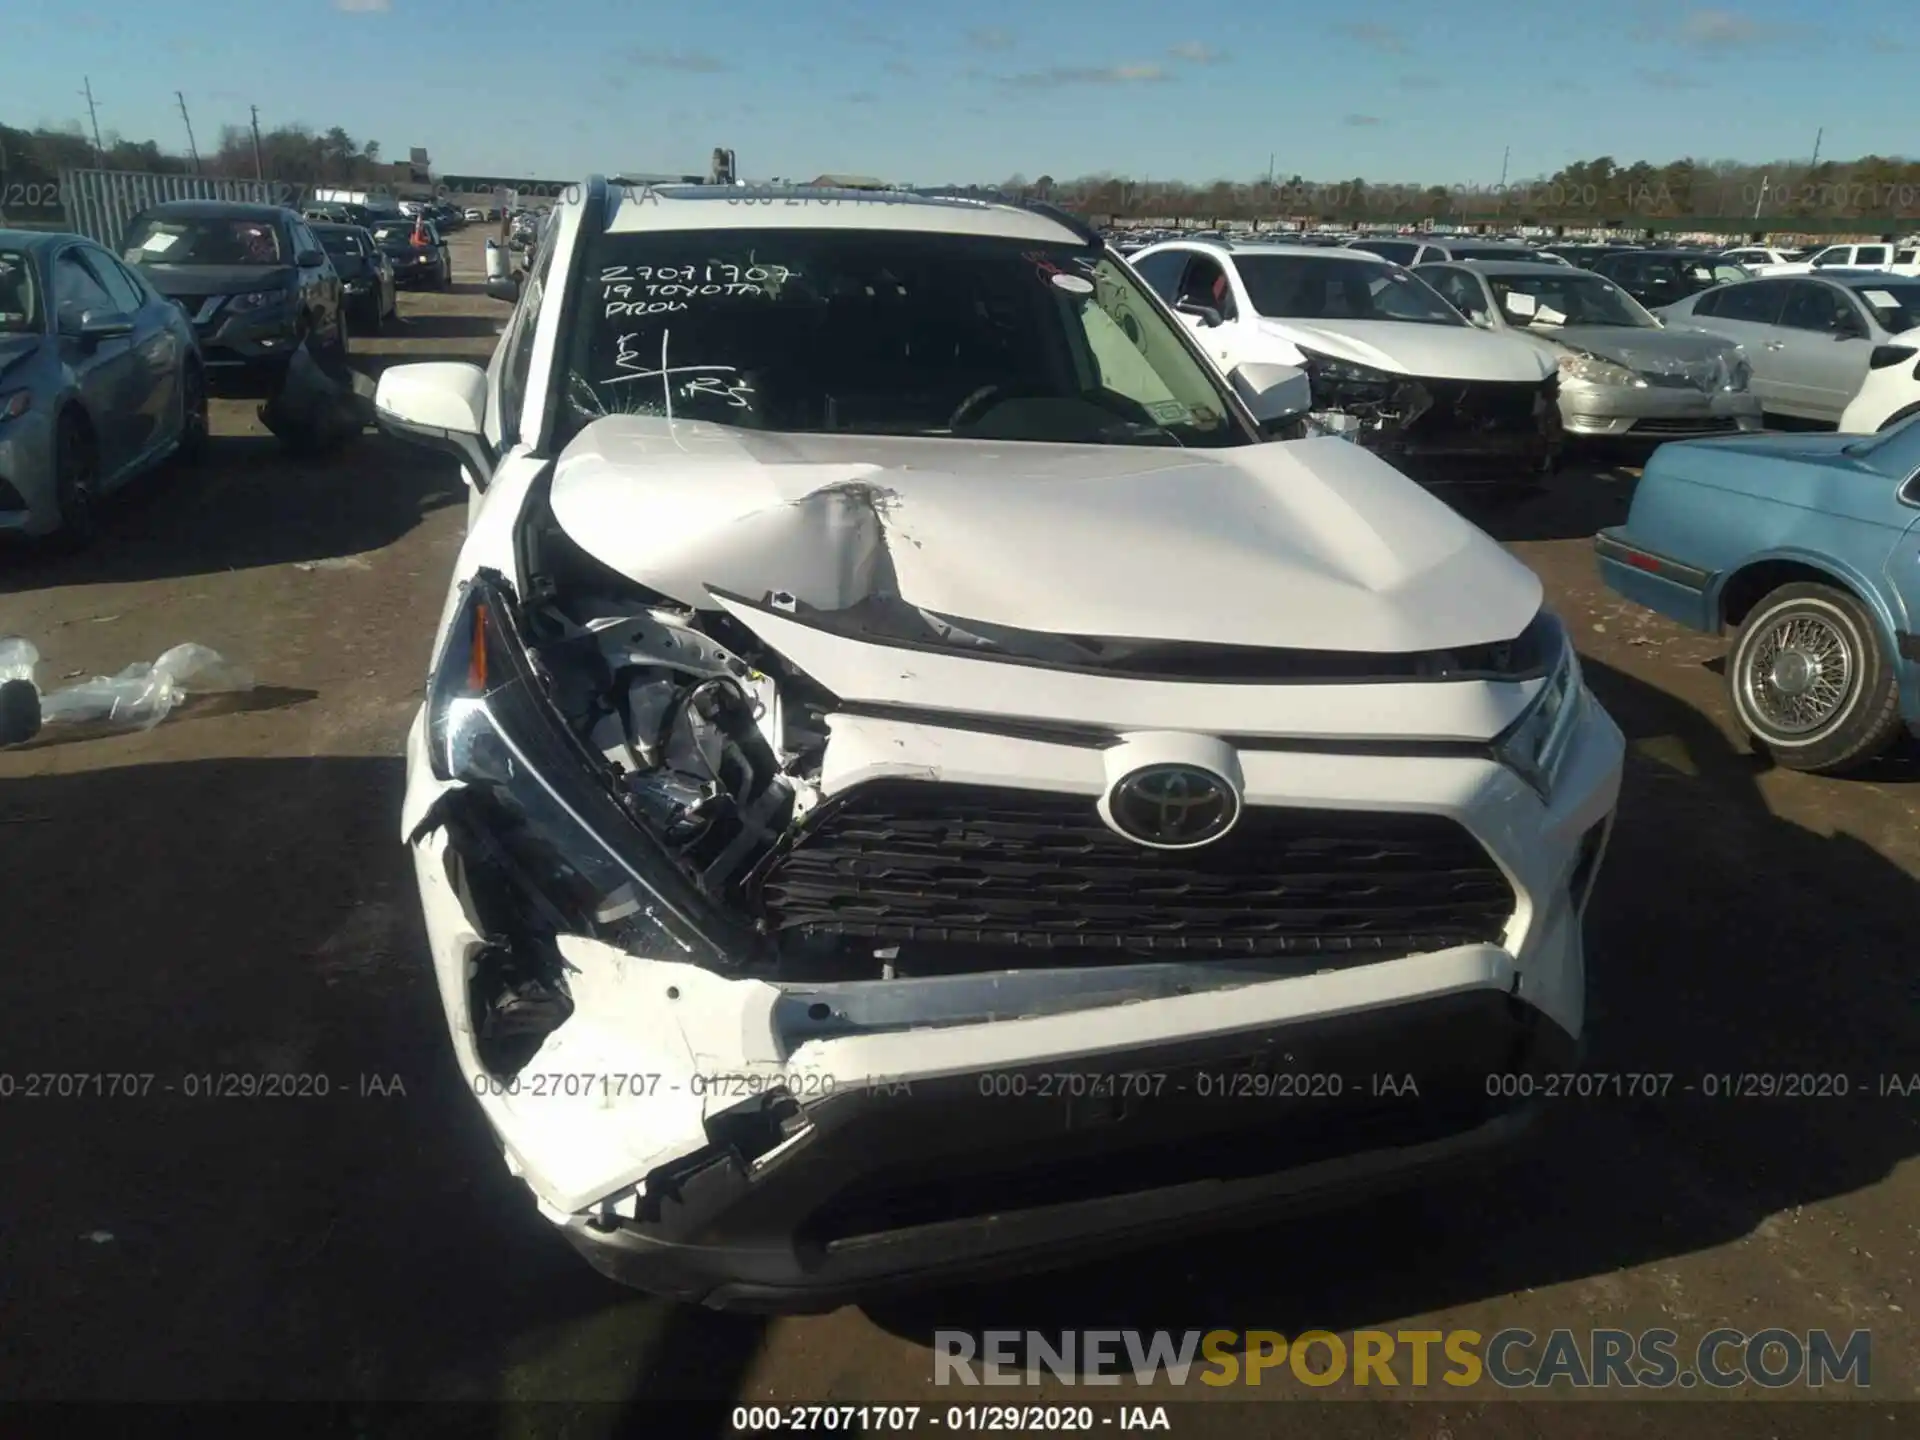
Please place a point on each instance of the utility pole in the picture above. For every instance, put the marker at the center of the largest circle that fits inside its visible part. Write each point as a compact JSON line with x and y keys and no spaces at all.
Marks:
{"x":1763,"y":196}
{"x":93,"y":114}
{"x":1817,"y":135}
{"x":1505,"y":155}
{"x":187,"y":120}
{"x":259,"y":171}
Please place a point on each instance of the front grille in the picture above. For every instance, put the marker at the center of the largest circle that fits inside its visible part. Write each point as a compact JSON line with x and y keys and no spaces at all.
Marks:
{"x":1702,"y":379}
{"x":905,"y":861}
{"x":1681,"y":425}
{"x":1479,"y":407}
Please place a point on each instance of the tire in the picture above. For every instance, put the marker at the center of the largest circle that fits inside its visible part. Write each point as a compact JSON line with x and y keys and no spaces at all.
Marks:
{"x":1837,"y":704}
{"x":194,"y":428}
{"x":372,"y":319}
{"x":76,"y":468}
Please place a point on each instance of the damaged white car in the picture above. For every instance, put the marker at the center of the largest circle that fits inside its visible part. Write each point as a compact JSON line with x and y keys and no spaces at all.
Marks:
{"x":912,"y":783}
{"x":1393,"y":365}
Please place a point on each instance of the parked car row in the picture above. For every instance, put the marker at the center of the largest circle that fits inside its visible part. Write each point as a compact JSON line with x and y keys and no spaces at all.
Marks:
{"x":105,"y":360}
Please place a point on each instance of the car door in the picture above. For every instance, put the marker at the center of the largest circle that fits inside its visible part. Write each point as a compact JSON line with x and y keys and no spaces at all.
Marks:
{"x":319,"y":284}
{"x":1833,"y":255}
{"x":155,"y":376}
{"x":1821,"y":350}
{"x":1746,"y":314}
{"x":1205,"y":282}
{"x":106,"y":371}
{"x":1872,"y":257}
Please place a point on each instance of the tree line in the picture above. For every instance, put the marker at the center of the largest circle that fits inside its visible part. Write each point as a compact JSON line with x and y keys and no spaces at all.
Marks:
{"x":1874,"y":187}
{"x":294,"y":153}
{"x":1591,"y":192}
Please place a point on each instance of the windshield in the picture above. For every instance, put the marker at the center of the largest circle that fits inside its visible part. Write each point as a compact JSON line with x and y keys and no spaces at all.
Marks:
{"x":886,"y":333}
{"x":1333,"y":287}
{"x":1567,"y":297}
{"x":19,"y":296}
{"x":400,"y":233}
{"x":158,"y":240}
{"x":1896,"y":306}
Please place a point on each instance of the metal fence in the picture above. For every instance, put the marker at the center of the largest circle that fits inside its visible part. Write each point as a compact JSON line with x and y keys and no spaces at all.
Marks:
{"x":98,"y":203}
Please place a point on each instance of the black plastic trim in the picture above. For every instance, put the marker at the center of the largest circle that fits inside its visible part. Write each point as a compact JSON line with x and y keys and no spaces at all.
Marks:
{"x":1908,"y":645}
{"x":1607,"y":547}
{"x":1400,"y":668}
{"x":1099,"y":737}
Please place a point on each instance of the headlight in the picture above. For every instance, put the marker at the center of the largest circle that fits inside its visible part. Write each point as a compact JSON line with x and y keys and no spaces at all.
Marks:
{"x":355,"y":286}
{"x":1535,"y":745}
{"x":1344,"y":372}
{"x":1739,"y":374}
{"x":1592,"y":370}
{"x":260,"y":300}
{"x":589,"y":868}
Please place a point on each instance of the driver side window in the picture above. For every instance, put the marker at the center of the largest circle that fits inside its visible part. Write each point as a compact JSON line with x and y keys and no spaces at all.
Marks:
{"x":1206,"y":283}
{"x":518,"y":352}
{"x":75,"y":290}
{"x":1460,"y":291}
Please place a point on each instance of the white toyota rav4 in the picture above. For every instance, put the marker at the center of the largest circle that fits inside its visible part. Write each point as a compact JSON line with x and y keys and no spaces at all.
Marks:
{"x":913,"y":781}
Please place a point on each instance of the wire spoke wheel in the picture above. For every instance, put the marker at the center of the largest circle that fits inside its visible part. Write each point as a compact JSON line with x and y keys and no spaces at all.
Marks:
{"x":1799,"y":673}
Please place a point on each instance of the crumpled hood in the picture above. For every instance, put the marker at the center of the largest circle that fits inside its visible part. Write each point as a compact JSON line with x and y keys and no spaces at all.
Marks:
{"x":1442,"y":352}
{"x":218,"y":279}
{"x":1312,"y":544}
{"x":1690,"y":355}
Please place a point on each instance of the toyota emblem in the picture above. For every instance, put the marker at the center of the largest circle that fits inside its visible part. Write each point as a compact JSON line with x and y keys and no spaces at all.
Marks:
{"x":1173,"y":807}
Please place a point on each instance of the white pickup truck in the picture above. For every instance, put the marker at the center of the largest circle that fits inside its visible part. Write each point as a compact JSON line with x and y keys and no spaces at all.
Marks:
{"x":1899,"y":259}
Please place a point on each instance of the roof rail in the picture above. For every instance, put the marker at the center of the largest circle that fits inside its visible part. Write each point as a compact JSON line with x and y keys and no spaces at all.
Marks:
{"x":1067,"y":218}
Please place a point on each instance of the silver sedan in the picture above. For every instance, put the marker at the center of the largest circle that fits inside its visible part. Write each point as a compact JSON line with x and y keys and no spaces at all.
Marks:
{"x":1622,"y":373}
{"x":1813,"y":339}
{"x":100,"y":379}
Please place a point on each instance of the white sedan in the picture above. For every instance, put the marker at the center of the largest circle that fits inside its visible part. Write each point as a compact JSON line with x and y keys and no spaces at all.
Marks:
{"x":1393,"y":365}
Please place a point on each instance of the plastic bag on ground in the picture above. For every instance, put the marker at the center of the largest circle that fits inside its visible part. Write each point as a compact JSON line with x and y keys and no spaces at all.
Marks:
{"x":140,"y":696}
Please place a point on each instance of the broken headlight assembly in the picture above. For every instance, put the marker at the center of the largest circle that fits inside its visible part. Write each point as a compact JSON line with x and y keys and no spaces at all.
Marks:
{"x":533,"y":799}
{"x":1592,"y":370}
{"x":1339,"y":382}
{"x":1535,"y":746}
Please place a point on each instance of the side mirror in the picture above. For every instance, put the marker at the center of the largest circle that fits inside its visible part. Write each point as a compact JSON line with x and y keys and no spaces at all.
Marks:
{"x":310,"y":259}
{"x":504,"y":287}
{"x":1205,"y":314}
{"x":1275,"y":394}
{"x":90,"y":327}
{"x":442,"y":405}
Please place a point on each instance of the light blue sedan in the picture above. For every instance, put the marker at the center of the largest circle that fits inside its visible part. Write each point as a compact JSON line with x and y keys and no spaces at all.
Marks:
{"x":100,"y":379}
{"x":1806,"y":548}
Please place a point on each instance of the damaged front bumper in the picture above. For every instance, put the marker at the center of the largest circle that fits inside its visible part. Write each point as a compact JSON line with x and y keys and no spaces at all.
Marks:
{"x":738,"y":1142}
{"x":1445,"y":430}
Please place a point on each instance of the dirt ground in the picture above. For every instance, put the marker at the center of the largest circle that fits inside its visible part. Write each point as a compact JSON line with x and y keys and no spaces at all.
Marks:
{"x":228,"y":892}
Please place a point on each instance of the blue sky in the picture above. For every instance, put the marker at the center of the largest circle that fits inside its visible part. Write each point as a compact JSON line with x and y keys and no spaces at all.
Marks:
{"x":1399,"y":92}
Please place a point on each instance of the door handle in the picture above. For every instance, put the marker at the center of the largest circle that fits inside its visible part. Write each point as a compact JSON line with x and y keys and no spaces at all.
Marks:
{"x":1776,"y":344}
